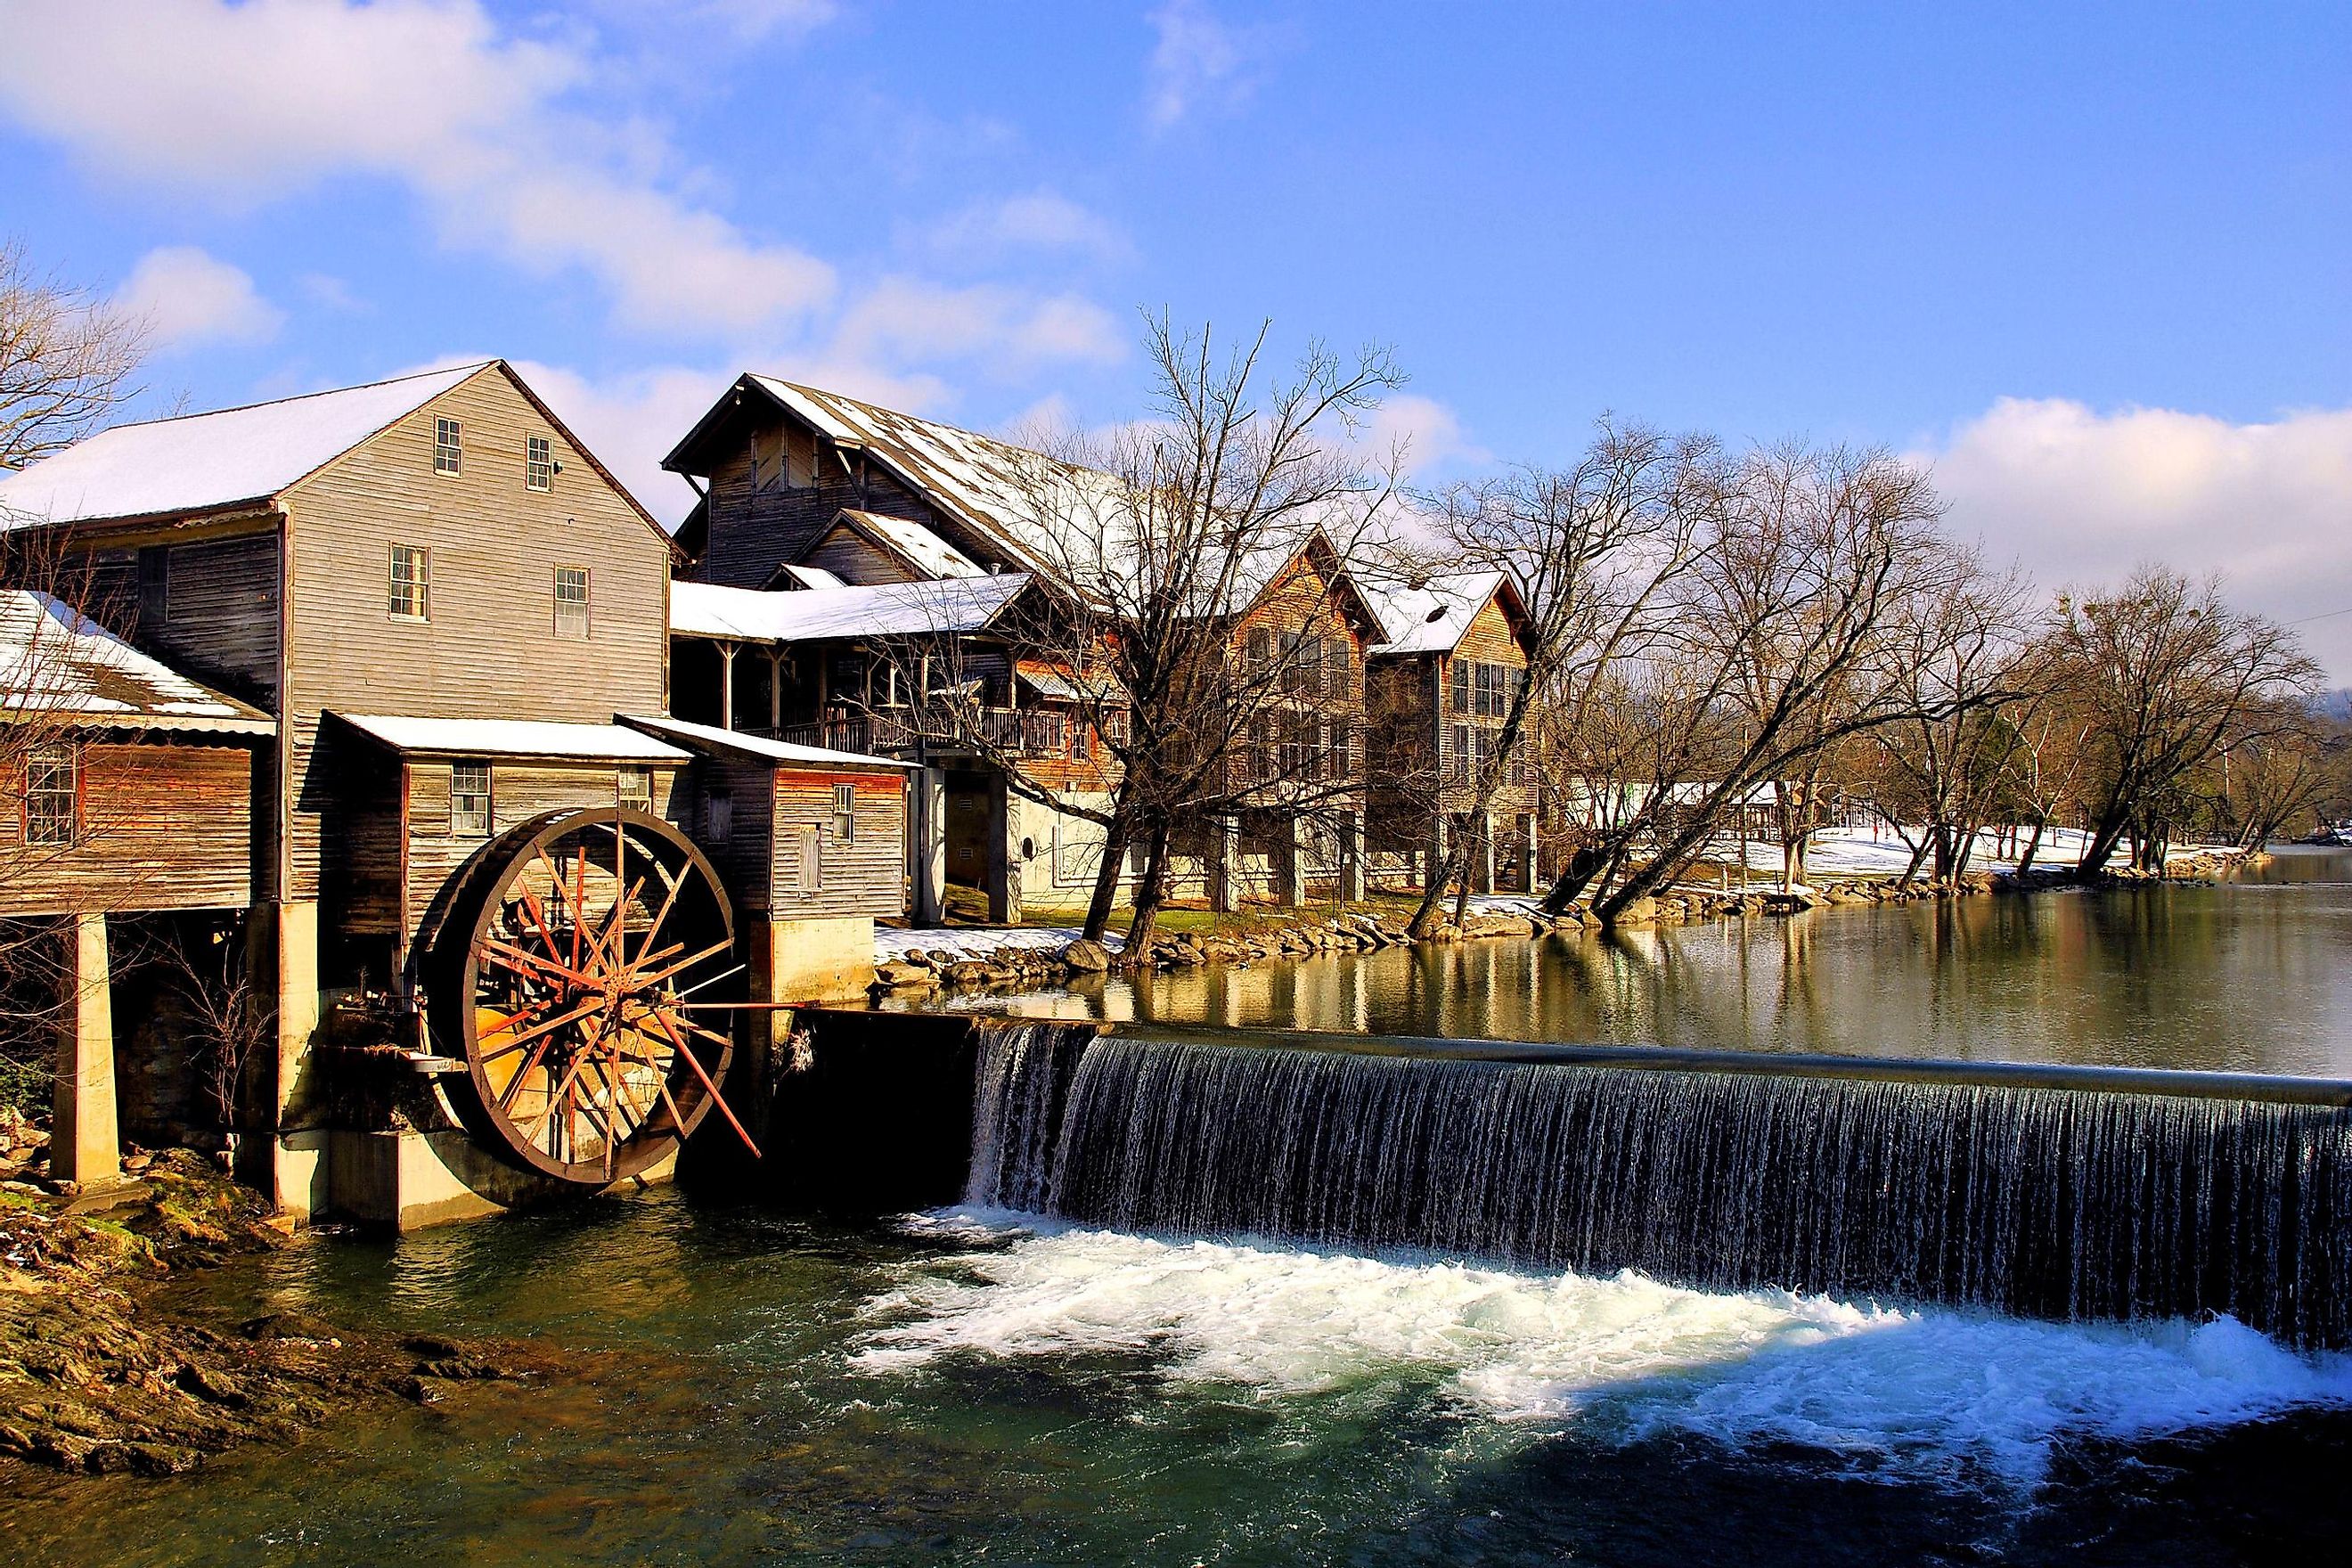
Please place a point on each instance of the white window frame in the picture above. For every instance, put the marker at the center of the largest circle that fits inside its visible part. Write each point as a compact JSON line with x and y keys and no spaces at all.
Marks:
{"x":470,"y":824}
{"x":563,"y":626}
{"x":633,"y":786}
{"x":449,"y":446}
{"x":844,"y":814}
{"x":539,"y":463}
{"x":418,"y":582}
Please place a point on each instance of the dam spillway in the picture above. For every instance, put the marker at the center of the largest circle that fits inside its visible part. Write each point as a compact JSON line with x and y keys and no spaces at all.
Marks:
{"x":2013,"y":1192}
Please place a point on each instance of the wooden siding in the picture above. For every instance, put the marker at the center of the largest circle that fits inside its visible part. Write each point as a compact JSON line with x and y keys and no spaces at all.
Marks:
{"x":755,"y":528}
{"x":745,"y":858}
{"x":489,"y":648}
{"x":856,"y":561}
{"x":865,"y":877}
{"x":218,"y":620}
{"x":165,"y":825}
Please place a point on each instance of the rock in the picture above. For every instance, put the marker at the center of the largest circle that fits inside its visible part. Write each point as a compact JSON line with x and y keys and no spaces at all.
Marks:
{"x":1638,"y":911}
{"x":1086,"y":957}
{"x":212,"y":1385}
{"x":897,"y":976}
{"x":971,"y":972}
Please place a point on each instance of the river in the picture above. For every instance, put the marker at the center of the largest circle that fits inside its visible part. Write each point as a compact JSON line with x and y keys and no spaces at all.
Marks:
{"x":993,"y":1387}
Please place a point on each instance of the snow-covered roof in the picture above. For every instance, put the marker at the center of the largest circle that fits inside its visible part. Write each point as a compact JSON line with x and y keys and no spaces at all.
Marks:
{"x":1431,"y":616}
{"x":925,"y":551}
{"x":56,"y":663}
{"x":514,"y":738}
{"x":813,"y":615}
{"x":808,"y":577}
{"x":1059,"y":683}
{"x":1007,"y":493}
{"x":783,"y":754}
{"x":202,"y":462}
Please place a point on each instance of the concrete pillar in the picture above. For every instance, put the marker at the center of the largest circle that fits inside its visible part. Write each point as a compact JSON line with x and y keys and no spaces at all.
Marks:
{"x":1525,"y":828}
{"x":84,"y":1146}
{"x":1482,"y":854}
{"x":1005,"y":859}
{"x":1351,"y":857}
{"x":927,"y":844}
{"x":1224,"y":856}
{"x":284,"y":953}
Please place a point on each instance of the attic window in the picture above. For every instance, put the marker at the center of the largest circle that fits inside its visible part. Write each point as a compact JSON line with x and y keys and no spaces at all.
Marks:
{"x":448,"y":453}
{"x":538,"y":464}
{"x":634,"y":788}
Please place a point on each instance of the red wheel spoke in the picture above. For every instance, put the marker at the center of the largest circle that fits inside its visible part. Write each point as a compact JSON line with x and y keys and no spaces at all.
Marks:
{"x":708,"y":1088}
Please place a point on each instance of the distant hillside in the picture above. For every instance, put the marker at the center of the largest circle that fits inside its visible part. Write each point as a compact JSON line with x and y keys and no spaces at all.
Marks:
{"x":2336,"y":705}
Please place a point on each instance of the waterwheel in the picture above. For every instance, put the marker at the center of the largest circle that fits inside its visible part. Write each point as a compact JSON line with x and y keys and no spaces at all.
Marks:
{"x":584,"y":968}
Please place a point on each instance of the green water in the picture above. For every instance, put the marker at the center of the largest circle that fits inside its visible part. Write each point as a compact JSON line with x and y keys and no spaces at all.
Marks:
{"x":1259,"y":1406}
{"x":2255,"y":976}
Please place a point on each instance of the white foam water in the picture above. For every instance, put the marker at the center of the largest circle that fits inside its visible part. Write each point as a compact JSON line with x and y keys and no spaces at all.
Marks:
{"x":1946,"y":1396}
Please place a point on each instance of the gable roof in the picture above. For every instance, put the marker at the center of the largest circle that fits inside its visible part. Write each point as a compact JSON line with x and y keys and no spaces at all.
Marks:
{"x":244,"y":457}
{"x":911,"y":544}
{"x":57,"y":664}
{"x":207,"y":462}
{"x":777,"y":753}
{"x":813,"y":615}
{"x":1430,"y":615}
{"x":990,"y":487}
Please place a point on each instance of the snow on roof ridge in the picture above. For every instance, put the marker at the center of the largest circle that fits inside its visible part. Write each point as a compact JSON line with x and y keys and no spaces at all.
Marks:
{"x":468,"y":367}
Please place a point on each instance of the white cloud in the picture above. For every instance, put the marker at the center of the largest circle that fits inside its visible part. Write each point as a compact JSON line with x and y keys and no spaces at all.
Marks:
{"x":751,"y":20}
{"x":188,"y":296}
{"x":1428,"y":434}
{"x":1040,"y":220}
{"x":903,"y":318}
{"x":2080,"y":497}
{"x":1199,"y":61}
{"x":250,"y":101}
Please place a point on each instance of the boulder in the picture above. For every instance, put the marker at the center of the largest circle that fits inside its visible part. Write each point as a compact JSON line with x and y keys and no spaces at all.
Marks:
{"x":896,"y":976}
{"x":1086,"y":957}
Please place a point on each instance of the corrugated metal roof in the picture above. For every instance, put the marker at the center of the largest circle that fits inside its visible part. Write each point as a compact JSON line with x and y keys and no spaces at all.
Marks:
{"x":784,"y":754}
{"x":56,"y":663}
{"x":204,"y":462}
{"x":514,"y":738}
{"x":813,"y":615}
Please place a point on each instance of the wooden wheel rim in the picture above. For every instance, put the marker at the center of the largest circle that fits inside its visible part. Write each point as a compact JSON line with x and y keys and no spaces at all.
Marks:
{"x":586,"y":1068}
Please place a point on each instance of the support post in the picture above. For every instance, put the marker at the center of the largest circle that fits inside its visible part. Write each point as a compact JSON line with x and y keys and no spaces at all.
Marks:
{"x":1290,"y":855}
{"x":285,"y":951}
{"x":927,"y":842}
{"x":775,"y":692}
{"x":1004,"y":856}
{"x":1224,"y":847}
{"x":84,"y":1145}
{"x":727,"y":686}
{"x":1351,"y":857}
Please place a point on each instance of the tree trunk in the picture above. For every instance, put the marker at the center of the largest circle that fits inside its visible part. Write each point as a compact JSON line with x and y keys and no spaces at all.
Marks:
{"x":1148,"y":896}
{"x":1454,"y":868}
{"x":1582,"y":867}
{"x":2101,"y":846}
{"x":2032,"y":845}
{"x":1918,"y":858}
{"x":1107,"y":878}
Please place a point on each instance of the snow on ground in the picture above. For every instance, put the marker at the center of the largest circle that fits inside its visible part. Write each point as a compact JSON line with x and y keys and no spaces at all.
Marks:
{"x":961,"y":943}
{"x":1857,"y":851}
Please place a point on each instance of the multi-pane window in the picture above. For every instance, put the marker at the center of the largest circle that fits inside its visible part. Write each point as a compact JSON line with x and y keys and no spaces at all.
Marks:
{"x":844,"y":814}
{"x":52,"y":793}
{"x":572,"y":601}
{"x":449,"y":447}
{"x":412,"y":582}
{"x":469,"y":800}
{"x":538,"y":464}
{"x":1483,"y":689}
{"x":634,"y":788}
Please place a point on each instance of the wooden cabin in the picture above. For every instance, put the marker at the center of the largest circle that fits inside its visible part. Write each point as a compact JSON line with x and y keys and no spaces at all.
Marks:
{"x":1439,"y":684}
{"x":129,"y":791}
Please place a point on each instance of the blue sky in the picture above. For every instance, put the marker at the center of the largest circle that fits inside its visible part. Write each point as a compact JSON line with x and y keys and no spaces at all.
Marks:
{"x":2092,"y":262}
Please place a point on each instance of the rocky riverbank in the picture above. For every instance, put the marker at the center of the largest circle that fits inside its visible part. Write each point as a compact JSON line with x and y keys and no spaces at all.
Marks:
{"x":968,"y":964}
{"x":105,"y":1366}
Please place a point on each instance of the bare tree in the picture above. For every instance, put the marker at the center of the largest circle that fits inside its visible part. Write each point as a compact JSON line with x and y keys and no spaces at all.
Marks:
{"x":68,"y":360}
{"x":1790,"y":606}
{"x":2167,"y":674}
{"x":1167,"y":546}
{"x":1592,"y":551}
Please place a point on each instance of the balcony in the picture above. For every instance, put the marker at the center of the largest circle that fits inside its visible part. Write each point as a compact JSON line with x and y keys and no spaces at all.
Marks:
{"x":1023,"y":731}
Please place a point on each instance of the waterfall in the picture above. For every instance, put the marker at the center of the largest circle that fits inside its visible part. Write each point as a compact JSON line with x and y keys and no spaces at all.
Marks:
{"x":2046,"y":1201}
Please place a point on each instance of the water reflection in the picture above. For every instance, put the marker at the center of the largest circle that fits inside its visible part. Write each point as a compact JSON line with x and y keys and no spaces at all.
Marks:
{"x":2255,"y":977}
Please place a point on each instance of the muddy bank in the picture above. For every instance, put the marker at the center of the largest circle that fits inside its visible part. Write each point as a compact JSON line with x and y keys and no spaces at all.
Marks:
{"x":105,"y":1366}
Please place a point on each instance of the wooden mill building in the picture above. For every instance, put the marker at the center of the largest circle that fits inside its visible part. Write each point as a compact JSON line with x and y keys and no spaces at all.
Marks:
{"x":434,"y":606}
